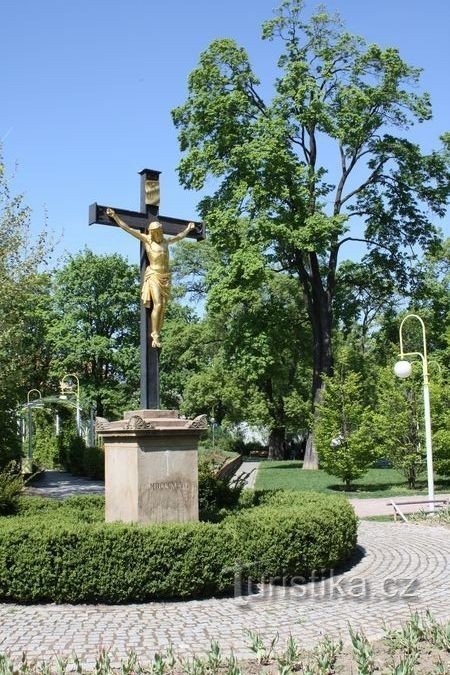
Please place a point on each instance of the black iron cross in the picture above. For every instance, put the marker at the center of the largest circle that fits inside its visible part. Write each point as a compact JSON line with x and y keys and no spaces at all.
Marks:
{"x":139,"y":220}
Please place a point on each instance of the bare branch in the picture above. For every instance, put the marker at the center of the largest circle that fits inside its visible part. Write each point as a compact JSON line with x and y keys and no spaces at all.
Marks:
{"x":372,"y":242}
{"x":373,"y":176}
{"x":256,"y":99}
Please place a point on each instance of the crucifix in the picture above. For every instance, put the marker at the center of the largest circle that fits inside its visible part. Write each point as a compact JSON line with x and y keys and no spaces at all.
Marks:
{"x":139,"y":220}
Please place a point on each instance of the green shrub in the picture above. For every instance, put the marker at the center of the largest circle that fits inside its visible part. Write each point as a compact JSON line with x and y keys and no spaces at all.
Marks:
{"x":113,"y":563}
{"x":292,"y":534}
{"x":45,"y":442}
{"x":74,"y":455}
{"x":441,"y":450}
{"x":82,"y":460}
{"x":82,"y":509}
{"x":215,"y":493}
{"x":94,"y":462}
{"x":11,"y":486}
{"x":63,"y":552}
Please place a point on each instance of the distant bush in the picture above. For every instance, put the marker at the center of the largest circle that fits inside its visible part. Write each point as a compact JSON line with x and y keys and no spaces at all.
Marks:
{"x":94,"y":462}
{"x":63,"y":552}
{"x":82,"y":460}
{"x":75,"y":455}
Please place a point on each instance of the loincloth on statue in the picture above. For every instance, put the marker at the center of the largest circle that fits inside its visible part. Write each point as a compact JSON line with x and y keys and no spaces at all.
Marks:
{"x":155,"y":283}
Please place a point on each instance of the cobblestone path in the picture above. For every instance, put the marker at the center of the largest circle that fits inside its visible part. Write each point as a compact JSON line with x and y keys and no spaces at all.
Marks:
{"x":400,"y":568}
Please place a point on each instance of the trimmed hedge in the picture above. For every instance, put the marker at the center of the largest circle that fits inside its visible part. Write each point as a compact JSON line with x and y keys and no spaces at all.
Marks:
{"x":63,"y":552}
{"x":313,"y":534}
{"x":82,"y":460}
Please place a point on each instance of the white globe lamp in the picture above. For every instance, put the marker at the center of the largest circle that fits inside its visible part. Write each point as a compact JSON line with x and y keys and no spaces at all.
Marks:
{"x":403,"y":369}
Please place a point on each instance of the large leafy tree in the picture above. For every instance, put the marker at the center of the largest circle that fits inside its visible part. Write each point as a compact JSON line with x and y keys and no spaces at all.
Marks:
{"x":95,"y":332}
{"x":24,"y":310}
{"x":431,"y":299}
{"x":183,"y":351}
{"x":326,"y":161}
{"x":246,"y":347}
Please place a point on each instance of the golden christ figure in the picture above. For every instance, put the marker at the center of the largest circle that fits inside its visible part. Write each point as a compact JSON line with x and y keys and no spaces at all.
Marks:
{"x":156,"y":287}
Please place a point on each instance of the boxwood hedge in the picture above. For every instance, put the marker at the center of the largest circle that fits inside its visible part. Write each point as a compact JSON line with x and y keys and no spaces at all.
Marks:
{"x":63,"y":552}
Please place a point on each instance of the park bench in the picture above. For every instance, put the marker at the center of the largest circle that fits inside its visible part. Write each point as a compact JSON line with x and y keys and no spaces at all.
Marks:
{"x":442,"y":503}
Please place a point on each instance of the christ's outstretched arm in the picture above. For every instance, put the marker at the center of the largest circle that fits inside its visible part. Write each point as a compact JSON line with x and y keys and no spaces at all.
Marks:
{"x":135,"y":233}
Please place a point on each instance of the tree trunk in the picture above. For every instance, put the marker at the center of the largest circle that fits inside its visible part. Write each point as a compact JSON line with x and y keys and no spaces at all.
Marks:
{"x":412,"y":477}
{"x":320,"y":313}
{"x":277,"y":443}
{"x":99,"y":409}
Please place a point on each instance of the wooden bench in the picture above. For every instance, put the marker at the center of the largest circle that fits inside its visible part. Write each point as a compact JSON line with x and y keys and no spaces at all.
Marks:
{"x":440,"y":503}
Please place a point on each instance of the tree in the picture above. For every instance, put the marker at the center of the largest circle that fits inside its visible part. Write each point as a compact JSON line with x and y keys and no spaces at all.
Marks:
{"x":440,"y":413}
{"x":181,"y":357}
{"x":363,"y":294}
{"x":431,"y":298}
{"x":250,"y":340}
{"x":24,"y":307}
{"x":272,"y":162}
{"x":398,"y":424}
{"x":95,"y":332}
{"x":343,"y":428}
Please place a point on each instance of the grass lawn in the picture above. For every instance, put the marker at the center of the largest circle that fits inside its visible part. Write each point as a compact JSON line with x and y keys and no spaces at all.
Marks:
{"x":376,"y":483}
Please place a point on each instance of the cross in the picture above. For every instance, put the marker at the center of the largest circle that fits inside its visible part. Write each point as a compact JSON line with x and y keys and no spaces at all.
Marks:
{"x":150,"y":195}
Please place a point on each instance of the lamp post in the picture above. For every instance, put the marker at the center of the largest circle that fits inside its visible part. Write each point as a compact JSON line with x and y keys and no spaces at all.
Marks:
{"x":403,"y":369}
{"x":69,"y":387}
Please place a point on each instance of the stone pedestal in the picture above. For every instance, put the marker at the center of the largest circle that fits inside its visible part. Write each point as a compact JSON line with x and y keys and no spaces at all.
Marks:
{"x":151,"y":471}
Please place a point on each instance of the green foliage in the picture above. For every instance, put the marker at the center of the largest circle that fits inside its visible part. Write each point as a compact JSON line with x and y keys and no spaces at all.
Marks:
{"x":215,"y":493}
{"x":181,"y":357}
{"x":95,"y":332}
{"x":282,"y":207}
{"x":11,"y":486}
{"x":440,"y":423}
{"x":62,"y":552}
{"x":363,"y":652}
{"x":75,"y":455}
{"x":82,"y":460}
{"x":399,"y":422}
{"x":431,"y":298}
{"x":363,"y":292}
{"x":245,"y":354}
{"x":291,"y":534}
{"x":45,"y":442}
{"x":343,"y":428}
{"x":94,"y":462}
{"x":24,"y":307}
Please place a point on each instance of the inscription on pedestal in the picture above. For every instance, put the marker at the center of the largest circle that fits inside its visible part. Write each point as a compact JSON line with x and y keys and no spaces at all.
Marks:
{"x":170,"y":485}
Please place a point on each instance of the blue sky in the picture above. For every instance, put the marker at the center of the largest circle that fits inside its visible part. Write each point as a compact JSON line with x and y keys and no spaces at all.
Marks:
{"x":88,"y":86}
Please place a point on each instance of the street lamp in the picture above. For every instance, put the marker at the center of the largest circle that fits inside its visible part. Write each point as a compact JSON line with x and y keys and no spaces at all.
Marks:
{"x":64,"y":387}
{"x":403,"y":369}
{"x":30,"y":392}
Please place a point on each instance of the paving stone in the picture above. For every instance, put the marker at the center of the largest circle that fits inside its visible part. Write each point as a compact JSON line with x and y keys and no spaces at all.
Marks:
{"x":402,"y":567}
